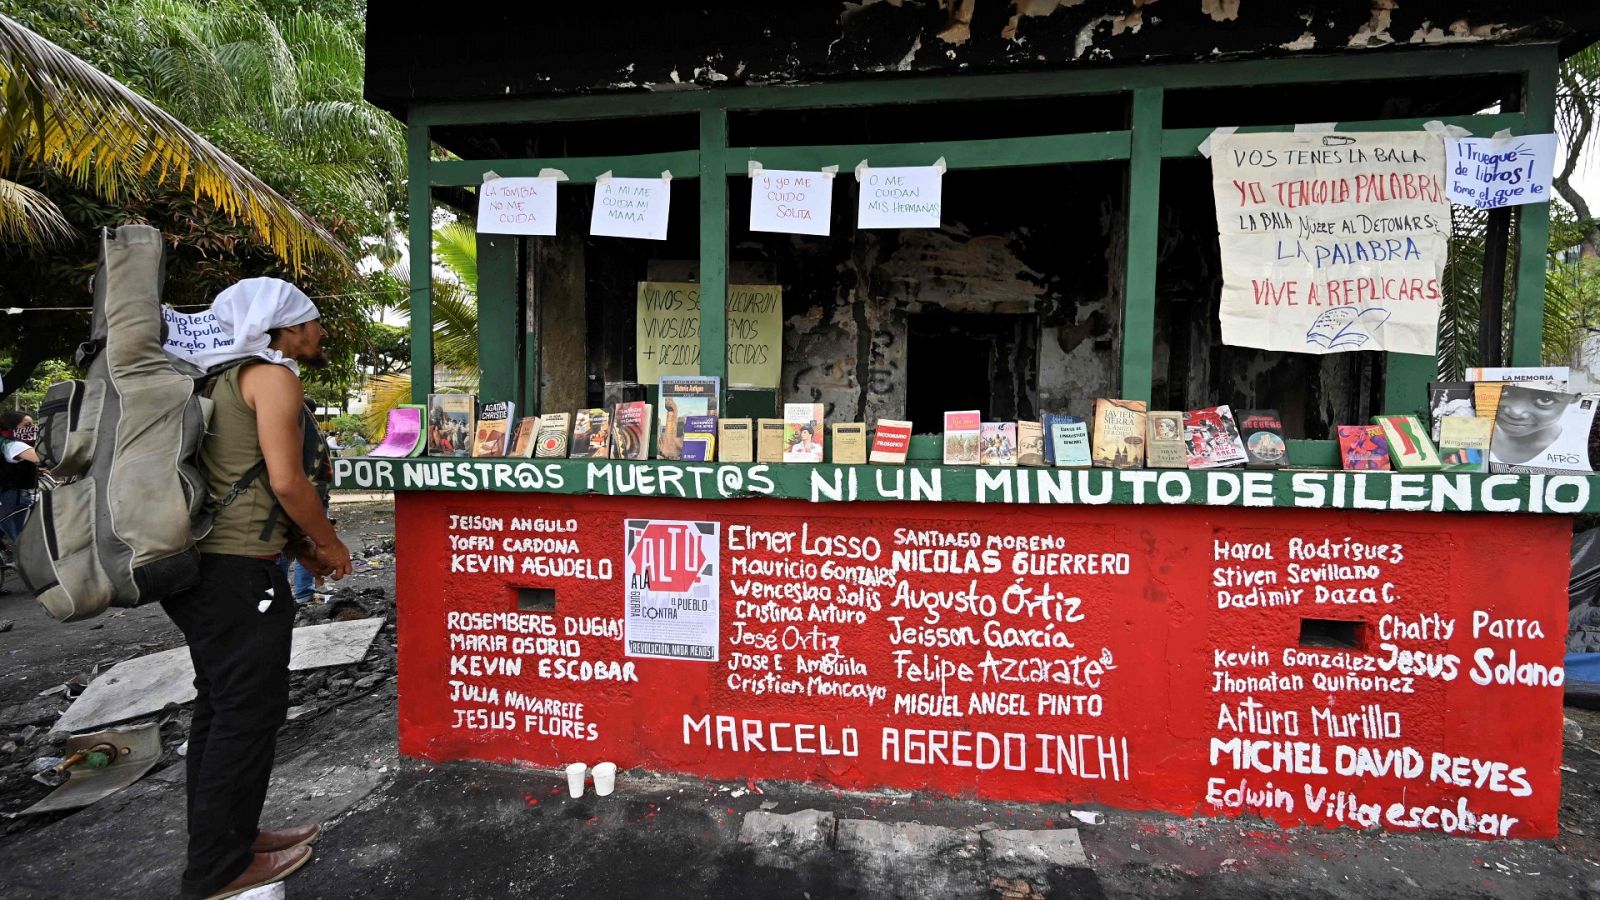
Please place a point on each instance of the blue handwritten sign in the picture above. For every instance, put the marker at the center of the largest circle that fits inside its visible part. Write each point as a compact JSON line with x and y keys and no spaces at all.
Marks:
{"x":1492,"y":172}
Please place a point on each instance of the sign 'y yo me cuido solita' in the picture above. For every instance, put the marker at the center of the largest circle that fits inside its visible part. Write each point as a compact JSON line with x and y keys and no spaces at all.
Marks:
{"x":1331,"y":242}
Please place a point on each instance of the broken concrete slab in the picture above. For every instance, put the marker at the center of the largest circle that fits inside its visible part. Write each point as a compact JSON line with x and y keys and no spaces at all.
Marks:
{"x":133,"y":752}
{"x":1026,"y":852}
{"x":145,"y":685}
{"x":334,"y":644}
{"x":908,"y":859}
{"x":780,"y":838}
{"x":906,"y":839}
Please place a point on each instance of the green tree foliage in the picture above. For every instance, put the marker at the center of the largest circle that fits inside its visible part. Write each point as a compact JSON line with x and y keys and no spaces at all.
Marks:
{"x":277,"y":86}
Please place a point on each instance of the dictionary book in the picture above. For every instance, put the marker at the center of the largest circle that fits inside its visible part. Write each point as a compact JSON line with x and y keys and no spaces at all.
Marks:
{"x":891,"y":441}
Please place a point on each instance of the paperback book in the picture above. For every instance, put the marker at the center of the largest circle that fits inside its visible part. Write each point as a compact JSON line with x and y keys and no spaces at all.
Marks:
{"x":700,"y":438}
{"x":551,"y":441}
{"x":1541,"y":432}
{"x":1262,"y":433}
{"x":683,"y":396}
{"x":769,"y":440}
{"x":961,"y":432}
{"x":450,"y":422}
{"x":1448,"y":398}
{"x":630,"y":430}
{"x":997,"y":444}
{"x":1069,"y":442}
{"x":1030,"y":444}
{"x":849,"y":443}
{"x":1464,"y":443}
{"x":522,"y":437}
{"x":1409,"y":446}
{"x":494,"y":429}
{"x":891,"y":441}
{"x":1164,"y":433}
{"x":802,"y":432}
{"x":1118,"y":433}
{"x":733,"y":440}
{"x":591,"y":434}
{"x":1363,"y":448}
{"x":406,"y":434}
{"x":1213,"y":438}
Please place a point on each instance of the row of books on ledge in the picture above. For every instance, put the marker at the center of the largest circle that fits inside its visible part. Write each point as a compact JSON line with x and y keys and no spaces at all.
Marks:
{"x":1518,"y":420}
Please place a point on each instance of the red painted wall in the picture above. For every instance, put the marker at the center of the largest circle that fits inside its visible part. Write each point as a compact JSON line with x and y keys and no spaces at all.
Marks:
{"x":1205,"y":705}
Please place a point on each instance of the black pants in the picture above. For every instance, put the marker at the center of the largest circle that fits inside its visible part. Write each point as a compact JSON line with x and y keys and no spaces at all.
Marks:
{"x":241,"y":671}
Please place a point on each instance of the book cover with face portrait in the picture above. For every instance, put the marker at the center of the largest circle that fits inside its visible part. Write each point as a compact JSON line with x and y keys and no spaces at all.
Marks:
{"x":1538,"y":431}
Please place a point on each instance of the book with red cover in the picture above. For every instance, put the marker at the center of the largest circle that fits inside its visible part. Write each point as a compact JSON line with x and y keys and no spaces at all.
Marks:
{"x":891,"y":440}
{"x":1213,"y":438}
{"x":1363,"y":447}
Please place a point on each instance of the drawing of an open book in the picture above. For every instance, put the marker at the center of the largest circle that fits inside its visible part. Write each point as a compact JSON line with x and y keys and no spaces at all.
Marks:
{"x":1346,"y":328}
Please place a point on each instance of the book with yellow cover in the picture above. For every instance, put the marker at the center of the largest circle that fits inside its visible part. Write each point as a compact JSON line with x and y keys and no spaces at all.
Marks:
{"x":733,"y":440}
{"x":849,"y":443}
{"x":769,"y":440}
{"x":1118,"y":433}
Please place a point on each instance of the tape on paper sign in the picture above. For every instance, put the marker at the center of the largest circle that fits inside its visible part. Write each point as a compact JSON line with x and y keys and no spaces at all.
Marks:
{"x":553,"y":174}
{"x":939,"y":164}
{"x":1502,"y":137}
{"x":1315,"y":127}
{"x":490,"y":176}
{"x":861,"y":170}
{"x":1223,"y":131}
{"x":754,"y":169}
{"x":830,"y":171}
{"x":603,"y":177}
{"x":666,"y":174}
{"x":1442,"y":131}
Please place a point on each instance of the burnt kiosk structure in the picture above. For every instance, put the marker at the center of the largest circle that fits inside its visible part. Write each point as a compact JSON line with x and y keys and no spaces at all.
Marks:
{"x":1310,"y":645}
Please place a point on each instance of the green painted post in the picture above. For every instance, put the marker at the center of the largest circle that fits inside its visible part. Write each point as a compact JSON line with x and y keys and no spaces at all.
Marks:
{"x":498,"y":303}
{"x":1533,"y":222}
{"x":1405,"y":383}
{"x":419,"y":207}
{"x":1144,"y":220}
{"x":713,"y":246}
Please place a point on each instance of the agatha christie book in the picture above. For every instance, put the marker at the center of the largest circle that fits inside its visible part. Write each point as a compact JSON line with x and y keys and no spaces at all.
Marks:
{"x":849,"y":443}
{"x":630,"y":430}
{"x":733,"y":440}
{"x":1164,"y":434}
{"x":891,"y":440}
{"x":1262,"y":433}
{"x":997,"y":444}
{"x":450,"y":423}
{"x":1069,"y":442}
{"x":1363,"y":447}
{"x":1030,"y":444}
{"x":1409,"y":446}
{"x":961,"y":431}
{"x":1118,"y":433}
{"x":551,"y":441}
{"x":683,"y":396}
{"x":494,"y":429}
{"x":1464,"y":443}
{"x":591,"y":434}
{"x":1212,"y":438}
{"x":802,"y":432}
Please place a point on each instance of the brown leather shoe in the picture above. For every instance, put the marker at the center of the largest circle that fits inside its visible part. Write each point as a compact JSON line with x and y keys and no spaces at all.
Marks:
{"x":287,"y":839}
{"x":264,"y":869}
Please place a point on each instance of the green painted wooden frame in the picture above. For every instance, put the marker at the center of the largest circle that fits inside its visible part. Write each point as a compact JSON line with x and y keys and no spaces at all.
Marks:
{"x":1145,"y":144}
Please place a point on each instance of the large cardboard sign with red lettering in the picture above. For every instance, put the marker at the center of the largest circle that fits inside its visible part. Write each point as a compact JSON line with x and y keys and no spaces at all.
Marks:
{"x":1330,"y":668}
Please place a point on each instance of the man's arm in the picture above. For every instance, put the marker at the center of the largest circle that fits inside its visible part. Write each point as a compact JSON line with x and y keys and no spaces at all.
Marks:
{"x":277,"y":397}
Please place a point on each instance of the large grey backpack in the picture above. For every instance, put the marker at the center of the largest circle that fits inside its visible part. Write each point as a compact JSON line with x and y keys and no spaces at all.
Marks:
{"x":118,"y":529}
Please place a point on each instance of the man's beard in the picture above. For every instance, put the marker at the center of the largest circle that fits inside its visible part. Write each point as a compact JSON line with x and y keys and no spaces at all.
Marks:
{"x":320,"y":361}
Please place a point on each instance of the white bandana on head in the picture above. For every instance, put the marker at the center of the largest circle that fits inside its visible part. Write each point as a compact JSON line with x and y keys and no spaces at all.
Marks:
{"x":247,"y":311}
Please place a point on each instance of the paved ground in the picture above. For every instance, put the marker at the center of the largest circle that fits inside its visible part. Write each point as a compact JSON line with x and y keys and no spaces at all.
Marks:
{"x":405,"y":829}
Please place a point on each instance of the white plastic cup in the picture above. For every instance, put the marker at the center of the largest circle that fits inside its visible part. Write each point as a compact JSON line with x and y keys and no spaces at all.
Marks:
{"x":575,"y":774}
{"x":605,"y":778}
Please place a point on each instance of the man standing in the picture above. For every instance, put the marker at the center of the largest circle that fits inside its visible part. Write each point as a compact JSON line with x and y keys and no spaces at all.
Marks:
{"x":239,"y":617}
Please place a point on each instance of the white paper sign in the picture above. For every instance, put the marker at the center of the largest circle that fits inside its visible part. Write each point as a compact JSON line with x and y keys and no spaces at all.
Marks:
{"x":189,"y":335}
{"x":1331,"y":242}
{"x":1493,"y":172}
{"x":631,"y":207}
{"x":517,"y":206}
{"x":672,"y":604}
{"x":791,"y":202}
{"x":900,"y":197}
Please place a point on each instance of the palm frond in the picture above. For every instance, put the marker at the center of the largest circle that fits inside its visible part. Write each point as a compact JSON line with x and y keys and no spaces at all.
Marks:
{"x":455,"y":246}
{"x":29,"y":216}
{"x":455,"y":327}
{"x":91,"y":127}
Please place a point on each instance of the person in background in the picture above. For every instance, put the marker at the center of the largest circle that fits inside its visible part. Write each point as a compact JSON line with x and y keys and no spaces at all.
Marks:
{"x":19,"y":469}
{"x":302,"y":583}
{"x":334,"y":446}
